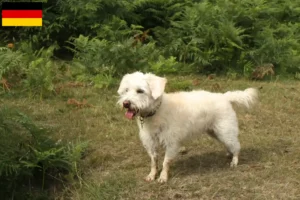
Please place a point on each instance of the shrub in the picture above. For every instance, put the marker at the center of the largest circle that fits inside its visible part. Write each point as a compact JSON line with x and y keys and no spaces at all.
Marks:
{"x":27,"y":152}
{"x":10,"y":62}
{"x":93,"y":56}
{"x":164,"y":66}
{"x":109,"y":38}
{"x":36,"y":70}
{"x":41,"y":71}
{"x":217,"y":36}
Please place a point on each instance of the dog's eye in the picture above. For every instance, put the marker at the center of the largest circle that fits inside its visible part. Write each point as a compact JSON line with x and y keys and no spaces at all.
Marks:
{"x":126,"y":90}
{"x":140,"y":91}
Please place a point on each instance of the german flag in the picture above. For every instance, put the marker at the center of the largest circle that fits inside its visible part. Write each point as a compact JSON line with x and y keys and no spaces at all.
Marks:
{"x":22,"y":14}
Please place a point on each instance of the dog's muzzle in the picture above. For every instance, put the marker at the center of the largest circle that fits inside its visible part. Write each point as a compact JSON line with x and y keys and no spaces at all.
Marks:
{"x":126,"y":104}
{"x":131,"y":112}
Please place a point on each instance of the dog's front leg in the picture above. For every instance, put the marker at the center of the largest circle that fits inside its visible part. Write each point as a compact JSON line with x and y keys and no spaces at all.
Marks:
{"x":151,"y":146}
{"x":153,"y":171}
{"x":171,"y":152}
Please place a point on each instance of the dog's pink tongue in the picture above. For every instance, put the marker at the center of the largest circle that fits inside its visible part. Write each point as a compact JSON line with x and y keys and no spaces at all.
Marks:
{"x":129,"y":114}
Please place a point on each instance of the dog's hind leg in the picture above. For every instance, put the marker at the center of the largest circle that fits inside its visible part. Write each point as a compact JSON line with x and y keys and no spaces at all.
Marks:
{"x":233,"y":148}
{"x":228,"y":135}
{"x":212,"y":134}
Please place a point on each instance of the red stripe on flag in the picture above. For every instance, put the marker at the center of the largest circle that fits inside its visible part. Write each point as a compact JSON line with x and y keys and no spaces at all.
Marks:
{"x":22,"y":14}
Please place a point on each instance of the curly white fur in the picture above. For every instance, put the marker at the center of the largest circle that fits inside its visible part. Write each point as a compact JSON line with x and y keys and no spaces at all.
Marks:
{"x":180,"y":115}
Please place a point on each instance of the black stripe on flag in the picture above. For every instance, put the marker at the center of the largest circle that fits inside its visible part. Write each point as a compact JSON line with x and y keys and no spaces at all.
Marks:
{"x":22,"y":5}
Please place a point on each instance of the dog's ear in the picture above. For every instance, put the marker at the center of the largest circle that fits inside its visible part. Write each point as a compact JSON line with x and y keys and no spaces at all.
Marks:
{"x":121,"y":87}
{"x":156,"y":84}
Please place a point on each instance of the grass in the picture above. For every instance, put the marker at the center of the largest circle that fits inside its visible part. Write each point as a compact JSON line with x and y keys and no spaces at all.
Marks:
{"x":116,"y":163}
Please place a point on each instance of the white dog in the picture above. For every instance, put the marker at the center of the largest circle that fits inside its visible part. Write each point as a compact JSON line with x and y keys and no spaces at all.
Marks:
{"x":168,"y":119}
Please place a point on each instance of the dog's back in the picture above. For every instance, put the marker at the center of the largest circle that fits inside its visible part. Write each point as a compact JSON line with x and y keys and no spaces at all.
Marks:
{"x":199,"y":111}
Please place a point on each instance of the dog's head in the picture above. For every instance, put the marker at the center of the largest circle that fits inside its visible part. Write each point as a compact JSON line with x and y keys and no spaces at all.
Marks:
{"x":139,"y":92}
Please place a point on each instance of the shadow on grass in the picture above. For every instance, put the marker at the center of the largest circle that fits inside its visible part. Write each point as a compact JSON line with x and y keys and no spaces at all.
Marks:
{"x":207,"y":162}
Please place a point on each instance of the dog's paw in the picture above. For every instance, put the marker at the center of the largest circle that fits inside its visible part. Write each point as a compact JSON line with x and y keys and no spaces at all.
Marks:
{"x":163,"y":178}
{"x":234,"y":162}
{"x":233,"y":165}
{"x":150,"y":178}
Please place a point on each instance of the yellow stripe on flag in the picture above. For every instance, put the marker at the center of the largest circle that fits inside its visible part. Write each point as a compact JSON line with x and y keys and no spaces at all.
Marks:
{"x":22,"y":21}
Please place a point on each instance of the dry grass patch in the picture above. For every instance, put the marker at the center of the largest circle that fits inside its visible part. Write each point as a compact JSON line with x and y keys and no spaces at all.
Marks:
{"x":116,"y":163}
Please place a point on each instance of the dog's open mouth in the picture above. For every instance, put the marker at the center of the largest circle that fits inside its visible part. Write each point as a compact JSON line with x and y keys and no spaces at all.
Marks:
{"x":130,"y":113}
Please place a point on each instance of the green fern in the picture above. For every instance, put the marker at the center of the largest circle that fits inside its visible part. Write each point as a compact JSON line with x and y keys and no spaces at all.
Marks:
{"x":41,"y":72}
{"x":93,"y":55}
{"x":10,"y":61}
{"x":26,"y":149}
{"x":164,"y":66}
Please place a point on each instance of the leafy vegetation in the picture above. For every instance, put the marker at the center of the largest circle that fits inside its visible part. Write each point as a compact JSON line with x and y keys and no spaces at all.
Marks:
{"x":105,"y":39}
{"x":29,"y":156}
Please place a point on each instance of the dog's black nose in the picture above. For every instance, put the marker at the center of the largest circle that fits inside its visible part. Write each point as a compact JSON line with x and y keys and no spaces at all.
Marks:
{"x":126,"y":104}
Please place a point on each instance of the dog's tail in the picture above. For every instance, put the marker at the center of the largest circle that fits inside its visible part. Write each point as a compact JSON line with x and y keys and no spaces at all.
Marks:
{"x":246,"y":98}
